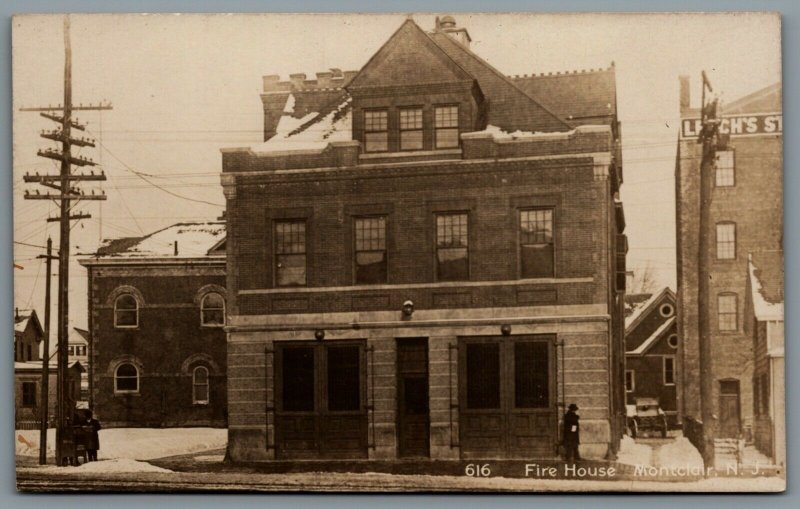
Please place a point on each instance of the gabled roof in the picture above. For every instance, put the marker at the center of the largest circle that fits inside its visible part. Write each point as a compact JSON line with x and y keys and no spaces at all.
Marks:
{"x":653,"y":338}
{"x":766,"y":289}
{"x":581,"y":97}
{"x":194,"y":240}
{"x":27,"y":317}
{"x":766,"y":100}
{"x":78,"y":336}
{"x":632,"y":321}
{"x":510,"y":108}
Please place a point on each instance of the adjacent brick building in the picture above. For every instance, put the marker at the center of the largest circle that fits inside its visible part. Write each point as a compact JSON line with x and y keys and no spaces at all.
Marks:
{"x":156,"y":344}
{"x":426,"y":259}
{"x":746,"y":220}
{"x":651,"y":347}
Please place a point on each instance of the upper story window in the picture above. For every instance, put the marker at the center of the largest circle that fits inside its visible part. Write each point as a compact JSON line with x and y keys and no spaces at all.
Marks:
{"x":370,"y":250}
{"x":630,"y":380}
{"x":29,"y":394}
{"x":411,"y":129}
{"x":537,"y":251}
{"x":200,"y":385}
{"x":446,"y":126}
{"x":727,"y":316}
{"x":126,"y":311}
{"x":212,"y":310}
{"x":726,"y":241}
{"x":725,"y":174}
{"x":376,"y":130}
{"x":126,"y":378}
{"x":290,"y":253}
{"x":452,"y":247}
{"x":669,"y":370}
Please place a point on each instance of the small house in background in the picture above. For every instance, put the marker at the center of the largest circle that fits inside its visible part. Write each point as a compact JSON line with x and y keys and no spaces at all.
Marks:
{"x":763,"y":321}
{"x":78,"y":350}
{"x":28,"y":334}
{"x":651,"y":350}
{"x":157,"y":307}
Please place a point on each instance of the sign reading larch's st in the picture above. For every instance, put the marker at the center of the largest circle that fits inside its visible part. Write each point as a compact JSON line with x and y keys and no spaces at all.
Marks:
{"x":407,"y":279}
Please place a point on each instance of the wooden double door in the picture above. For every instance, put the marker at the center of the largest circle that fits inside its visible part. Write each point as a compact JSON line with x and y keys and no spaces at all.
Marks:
{"x":413,"y":410}
{"x":507,"y":397}
{"x":320,"y":400}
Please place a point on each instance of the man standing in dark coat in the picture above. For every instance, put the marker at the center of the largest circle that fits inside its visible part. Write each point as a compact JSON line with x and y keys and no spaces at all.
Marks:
{"x":92,"y":426}
{"x":572,"y":434}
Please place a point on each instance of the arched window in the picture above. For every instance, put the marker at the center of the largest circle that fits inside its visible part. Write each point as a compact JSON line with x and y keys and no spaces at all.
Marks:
{"x":126,"y":378}
{"x":200,"y":385}
{"x":212,"y":310}
{"x":126,"y":311}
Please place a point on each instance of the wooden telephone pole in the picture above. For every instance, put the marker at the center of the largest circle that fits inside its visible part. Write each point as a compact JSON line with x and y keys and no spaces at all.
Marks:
{"x":709,"y":139}
{"x":45,"y":417}
{"x":68,"y":195}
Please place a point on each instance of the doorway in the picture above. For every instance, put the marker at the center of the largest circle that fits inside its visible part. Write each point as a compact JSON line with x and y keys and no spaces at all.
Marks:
{"x":729,"y":409}
{"x":413,"y":413}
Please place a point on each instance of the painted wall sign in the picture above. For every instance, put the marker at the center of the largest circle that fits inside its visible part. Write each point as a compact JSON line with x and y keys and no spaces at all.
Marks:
{"x":738,"y":125}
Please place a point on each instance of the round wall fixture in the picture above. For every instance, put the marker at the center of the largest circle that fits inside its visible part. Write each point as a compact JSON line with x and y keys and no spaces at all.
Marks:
{"x":666,"y":310}
{"x":319,"y":334}
{"x":505,"y":329}
{"x":672,"y":341}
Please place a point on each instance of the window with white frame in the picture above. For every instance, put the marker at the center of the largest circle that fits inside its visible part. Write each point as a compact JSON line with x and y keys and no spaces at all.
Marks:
{"x":630,"y":380}
{"x":376,"y":130}
{"x":452,"y":246}
{"x":370,"y":250}
{"x":126,"y":378}
{"x":212,"y":310}
{"x":726,"y":241}
{"x":725,"y":174}
{"x":126,"y":311}
{"x":200,"y":385}
{"x":536,"y":243}
{"x":290,"y":253}
{"x":445,"y":124}
{"x":669,"y":370}
{"x":411,"y":129}
{"x":727,"y":315}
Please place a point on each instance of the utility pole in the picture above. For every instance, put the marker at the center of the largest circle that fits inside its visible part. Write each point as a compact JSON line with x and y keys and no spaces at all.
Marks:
{"x":68,"y":196}
{"x":45,"y":417}
{"x":709,"y":139}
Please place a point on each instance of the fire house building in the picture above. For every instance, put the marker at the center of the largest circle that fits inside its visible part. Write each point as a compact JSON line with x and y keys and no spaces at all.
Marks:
{"x":425,"y":258}
{"x":746,"y":223}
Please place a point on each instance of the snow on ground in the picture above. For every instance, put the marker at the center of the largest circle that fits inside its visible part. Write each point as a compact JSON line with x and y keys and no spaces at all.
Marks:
{"x":631,"y":453}
{"x":120,"y":465}
{"x":679,"y":453}
{"x":136,"y":443}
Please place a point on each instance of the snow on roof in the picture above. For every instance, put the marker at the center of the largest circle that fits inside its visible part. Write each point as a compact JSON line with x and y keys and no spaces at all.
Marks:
{"x":194,"y":240}
{"x":21,"y":323}
{"x":314,"y":131}
{"x":501,"y":135}
{"x":640,"y":309}
{"x":38,"y":365}
{"x":653,"y":338}
{"x":762,"y":308}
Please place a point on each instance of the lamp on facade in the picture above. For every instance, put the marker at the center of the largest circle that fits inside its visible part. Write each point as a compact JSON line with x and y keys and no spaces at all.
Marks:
{"x":319,"y":334}
{"x":505,"y":329}
{"x":408,"y":308}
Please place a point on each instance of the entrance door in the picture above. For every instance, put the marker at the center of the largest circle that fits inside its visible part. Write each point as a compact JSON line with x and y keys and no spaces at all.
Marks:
{"x":413,"y":415}
{"x":729,"y":412}
{"x":507,"y":397}
{"x":320,"y":395}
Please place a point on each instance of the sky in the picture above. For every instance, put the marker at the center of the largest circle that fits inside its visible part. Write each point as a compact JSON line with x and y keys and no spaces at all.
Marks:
{"x":184,"y":86}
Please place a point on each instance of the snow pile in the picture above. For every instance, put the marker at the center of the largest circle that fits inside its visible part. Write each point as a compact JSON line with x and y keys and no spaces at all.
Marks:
{"x":136,"y":443}
{"x":679,"y":453}
{"x":306,"y":133}
{"x":499,"y":134}
{"x":631,"y":453}
{"x":126,"y":466}
{"x":762,"y":308}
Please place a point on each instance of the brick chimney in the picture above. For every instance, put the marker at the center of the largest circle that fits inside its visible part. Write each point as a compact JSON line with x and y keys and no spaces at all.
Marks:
{"x":447,"y":24}
{"x":685,"y":93}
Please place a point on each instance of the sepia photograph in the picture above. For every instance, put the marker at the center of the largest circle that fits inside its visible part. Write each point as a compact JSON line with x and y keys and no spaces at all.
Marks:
{"x":410,"y":252}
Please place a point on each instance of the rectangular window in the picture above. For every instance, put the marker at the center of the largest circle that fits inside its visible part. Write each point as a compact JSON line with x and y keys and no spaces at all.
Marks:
{"x":536,"y":243}
{"x":483,"y":375}
{"x":28,"y":394}
{"x":725,"y":169}
{"x":446,"y":126}
{"x":411,"y":129}
{"x":376,"y":130}
{"x":726,"y":311}
{"x":298,"y":379}
{"x":764,"y":394}
{"x":344,"y":378}
{"x":370,"y":250}
{"x":290,"y":253}
{"x":726,"y":241}
{"x":452,"y":247}
{"x":669,"y":370}
{"x":29,"y":350}
{"x":630,"y":380}
{"x":531,"y":375}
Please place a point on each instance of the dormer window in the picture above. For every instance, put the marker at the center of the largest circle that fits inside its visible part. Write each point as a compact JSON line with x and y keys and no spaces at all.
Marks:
{"x":446,"y":126}
{"x":376,"y":130}
{"x":411,"y":129}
